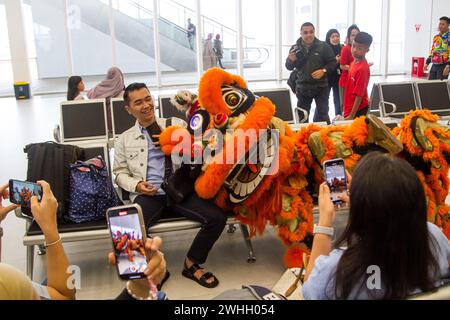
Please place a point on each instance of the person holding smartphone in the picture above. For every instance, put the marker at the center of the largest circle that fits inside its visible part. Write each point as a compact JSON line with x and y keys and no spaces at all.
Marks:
{"x":387,"y":231}
{"x":17,"y":286}
{"x":139,"y":167}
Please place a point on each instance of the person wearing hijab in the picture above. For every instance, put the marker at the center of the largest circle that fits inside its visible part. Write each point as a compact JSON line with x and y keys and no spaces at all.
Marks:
{"x":112,"y":87}
{"x":333,"y":40}
{"x":75,"y":86}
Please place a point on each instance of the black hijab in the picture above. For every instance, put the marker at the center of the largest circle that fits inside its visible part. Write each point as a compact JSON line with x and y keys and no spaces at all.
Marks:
{"x":337,"y":48}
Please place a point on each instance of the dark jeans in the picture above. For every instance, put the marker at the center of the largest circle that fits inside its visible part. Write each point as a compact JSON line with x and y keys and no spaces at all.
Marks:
{"x":437,"y":72}
{"x":336,"y":99}
{"x":320,"y":96}
{"x":212,"y":218}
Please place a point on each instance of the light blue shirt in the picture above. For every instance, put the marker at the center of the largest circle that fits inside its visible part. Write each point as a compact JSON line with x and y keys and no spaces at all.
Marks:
{"x":321,"y":282}
{"x":155,"y":163}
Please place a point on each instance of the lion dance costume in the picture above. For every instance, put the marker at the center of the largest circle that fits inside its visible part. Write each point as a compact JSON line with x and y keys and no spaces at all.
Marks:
{"x":282,"y":195}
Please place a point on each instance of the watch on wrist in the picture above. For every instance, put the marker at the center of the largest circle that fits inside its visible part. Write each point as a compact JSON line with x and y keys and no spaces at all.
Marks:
{"x":323,"y":230}
{"x":324,"y":70}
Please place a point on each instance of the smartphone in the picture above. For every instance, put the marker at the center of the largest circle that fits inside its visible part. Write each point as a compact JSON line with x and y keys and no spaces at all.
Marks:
{"x":336,"y":178}
{"x":128,"y":234}
{"x":21,"y":192}
{"x":154,"y":130}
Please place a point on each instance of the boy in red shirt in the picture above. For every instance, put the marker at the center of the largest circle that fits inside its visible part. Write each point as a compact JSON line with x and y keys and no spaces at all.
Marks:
{"x":356,"y":98}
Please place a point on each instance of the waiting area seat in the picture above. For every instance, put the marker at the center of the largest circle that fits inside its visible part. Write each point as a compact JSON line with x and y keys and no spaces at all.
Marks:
{"x":98,"y":230}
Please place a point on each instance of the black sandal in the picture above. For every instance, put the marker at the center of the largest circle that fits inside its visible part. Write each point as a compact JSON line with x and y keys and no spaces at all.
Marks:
{"x":203,"y":281}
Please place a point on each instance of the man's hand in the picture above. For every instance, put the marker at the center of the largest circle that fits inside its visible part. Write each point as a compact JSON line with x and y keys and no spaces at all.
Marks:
{"x":4,"y":195}
{"x":338,"y":58}
{"x":292,"y":57}
{"x":319,"y":74}
{"x":146,"y":189}
{"x":425,"y":68}
{"x":327,"y":211}
{"x":446,"y":71}
{"x":156,"y":264}
{"x":45,"y":212}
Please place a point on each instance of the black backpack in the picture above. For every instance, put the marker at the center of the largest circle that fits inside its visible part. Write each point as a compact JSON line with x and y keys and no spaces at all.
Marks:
{"x":50,"y":161}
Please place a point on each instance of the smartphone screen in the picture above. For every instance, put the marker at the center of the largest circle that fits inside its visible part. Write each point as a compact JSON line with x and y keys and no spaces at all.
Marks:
{"x":127,"y":232}
{"x":336,"y":179}
{"x":21,"y":192}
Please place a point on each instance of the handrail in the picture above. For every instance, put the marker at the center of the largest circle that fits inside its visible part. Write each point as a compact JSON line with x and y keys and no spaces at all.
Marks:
{"x":192,"y":12}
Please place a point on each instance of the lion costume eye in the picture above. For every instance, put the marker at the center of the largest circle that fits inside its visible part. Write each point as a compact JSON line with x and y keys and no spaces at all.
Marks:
{"x":233,"y":98}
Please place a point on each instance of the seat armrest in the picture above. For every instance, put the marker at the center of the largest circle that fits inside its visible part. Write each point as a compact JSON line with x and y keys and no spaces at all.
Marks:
{"x":383,"y":108}
{"x":305,"y":115}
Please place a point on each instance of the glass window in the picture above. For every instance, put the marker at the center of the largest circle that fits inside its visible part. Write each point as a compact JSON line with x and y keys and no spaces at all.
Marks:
{"x":294,"y":14}
{"x":50,"y":36}
{"x":31,"y":44}
{"x":333,"y":15}
{"x":177,"y":45}
{"x":368,"y":15}
{"x":90,"y":36}
{"x":220,"y":23}
{"x":135,"y":52}
{"x":6,"y":74}
{"x":397,"y":37}
{"x":259,"y":39}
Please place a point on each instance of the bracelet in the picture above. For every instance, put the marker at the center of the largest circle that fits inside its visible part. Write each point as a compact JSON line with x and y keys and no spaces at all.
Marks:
{"x":53,"y":243}
{"x":1,"y":232}
{"x":150,"y":297}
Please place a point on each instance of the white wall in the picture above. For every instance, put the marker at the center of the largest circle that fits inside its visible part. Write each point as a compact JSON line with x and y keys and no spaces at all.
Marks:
{"x":426,"y":13}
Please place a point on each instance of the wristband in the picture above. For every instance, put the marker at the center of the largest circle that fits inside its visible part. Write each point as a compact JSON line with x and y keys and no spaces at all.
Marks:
{"x":323,"y":230}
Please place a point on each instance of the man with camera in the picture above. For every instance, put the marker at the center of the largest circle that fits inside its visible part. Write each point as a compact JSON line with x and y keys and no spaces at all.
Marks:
{"x":140,"y":168}
{"x":311,"y":60}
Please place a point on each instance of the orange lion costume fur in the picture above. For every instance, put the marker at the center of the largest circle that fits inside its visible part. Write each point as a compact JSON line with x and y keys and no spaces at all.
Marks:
{"x":282,"y":197}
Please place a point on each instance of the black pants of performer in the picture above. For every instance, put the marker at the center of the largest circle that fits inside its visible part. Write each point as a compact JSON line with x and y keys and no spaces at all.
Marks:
{"x":336,"y":99}
{"x":219,"y":61}
{"x":212,"y":218}
{"x":320,"y":96}
{"x":437,"y":72}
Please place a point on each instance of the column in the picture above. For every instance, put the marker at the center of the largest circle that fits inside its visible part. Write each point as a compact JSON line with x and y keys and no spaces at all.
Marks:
{"x":17,"y":39}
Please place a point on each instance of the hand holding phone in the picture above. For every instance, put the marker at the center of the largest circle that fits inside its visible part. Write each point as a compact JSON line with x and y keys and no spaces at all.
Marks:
{"x":146,"y":188}
{"x":21,"y":192}
{"x":129,"y":235}
{"x":154,"y":131}
{"x":4,"y":194}
{"x":336,"y":179}
{"x":44,"y":211}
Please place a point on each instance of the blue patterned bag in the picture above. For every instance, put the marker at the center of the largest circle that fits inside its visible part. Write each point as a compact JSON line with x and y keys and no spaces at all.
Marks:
{"x":91,"y":191}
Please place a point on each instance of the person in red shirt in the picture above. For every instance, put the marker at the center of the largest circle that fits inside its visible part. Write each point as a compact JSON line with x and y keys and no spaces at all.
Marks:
{"x":356,"y":98}
{"x":347,"y":58}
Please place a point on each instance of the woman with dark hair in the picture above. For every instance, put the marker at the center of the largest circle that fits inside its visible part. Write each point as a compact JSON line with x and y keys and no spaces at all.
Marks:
{"x":333,"y":39}
{"x":392,"y":252}
{"x":75,"y":86}
{"x":347,"y":58}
